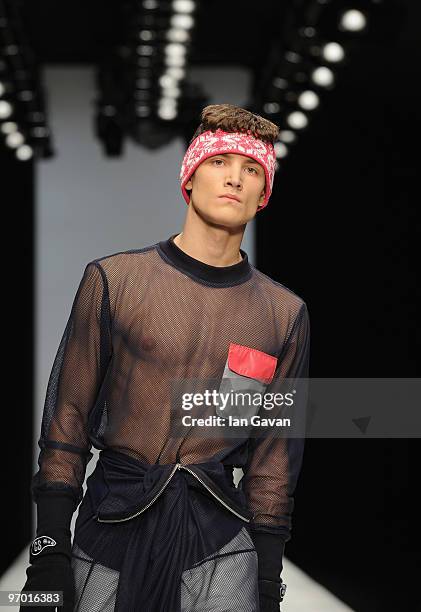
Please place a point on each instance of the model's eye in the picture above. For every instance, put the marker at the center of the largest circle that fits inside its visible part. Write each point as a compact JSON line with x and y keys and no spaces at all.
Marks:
{"x":214,"y":161}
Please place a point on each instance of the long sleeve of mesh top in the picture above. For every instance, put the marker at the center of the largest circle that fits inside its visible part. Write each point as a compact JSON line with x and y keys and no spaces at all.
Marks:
{"x":74,"y":388}
{"x":274,"y":462}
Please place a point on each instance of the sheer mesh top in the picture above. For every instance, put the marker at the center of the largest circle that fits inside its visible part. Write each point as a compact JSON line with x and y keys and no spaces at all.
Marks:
{"x":141,"y":318}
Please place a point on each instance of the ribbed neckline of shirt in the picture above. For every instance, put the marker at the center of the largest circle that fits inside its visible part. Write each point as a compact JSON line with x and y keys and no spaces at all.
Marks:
{"x":215,"y":275}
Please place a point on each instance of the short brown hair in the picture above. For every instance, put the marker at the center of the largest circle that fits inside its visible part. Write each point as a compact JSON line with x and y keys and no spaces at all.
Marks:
{"x":231,"y":118}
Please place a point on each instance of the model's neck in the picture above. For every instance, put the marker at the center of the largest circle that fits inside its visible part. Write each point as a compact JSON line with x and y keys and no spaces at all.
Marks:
{"x":234,"y":273}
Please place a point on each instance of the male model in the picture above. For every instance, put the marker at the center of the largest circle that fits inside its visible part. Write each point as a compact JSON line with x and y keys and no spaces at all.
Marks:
{"x":162,"y":526}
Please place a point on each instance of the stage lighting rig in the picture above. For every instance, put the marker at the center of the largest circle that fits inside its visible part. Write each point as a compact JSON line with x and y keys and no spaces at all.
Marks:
{"x":142,"y":84}
{"x":23,"y":125}
{"x":317,"y":39}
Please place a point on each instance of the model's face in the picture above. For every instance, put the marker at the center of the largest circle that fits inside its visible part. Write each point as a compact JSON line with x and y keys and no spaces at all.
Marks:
{"x":230,"y":173}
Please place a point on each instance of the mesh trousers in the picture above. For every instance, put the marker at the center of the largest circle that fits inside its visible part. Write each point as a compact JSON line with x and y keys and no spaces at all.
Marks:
{"x":225,"y":581}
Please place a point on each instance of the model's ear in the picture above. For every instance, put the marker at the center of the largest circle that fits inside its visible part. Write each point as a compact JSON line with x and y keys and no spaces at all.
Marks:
{"x":189,"y":184}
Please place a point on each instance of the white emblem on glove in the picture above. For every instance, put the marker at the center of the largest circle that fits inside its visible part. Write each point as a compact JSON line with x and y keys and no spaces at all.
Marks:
{"x":40,"y":543}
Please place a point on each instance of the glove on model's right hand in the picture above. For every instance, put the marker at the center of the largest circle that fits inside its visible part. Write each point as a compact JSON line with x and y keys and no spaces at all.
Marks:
{"x":50,"y":553}
{"x":51,"y":573}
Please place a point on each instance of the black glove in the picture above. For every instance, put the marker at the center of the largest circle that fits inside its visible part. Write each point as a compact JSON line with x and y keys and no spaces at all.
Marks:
{"x":50,"y":553}
{"x":51,"y":573}
{"x":269,"y":595}
{"x":270,"y":550}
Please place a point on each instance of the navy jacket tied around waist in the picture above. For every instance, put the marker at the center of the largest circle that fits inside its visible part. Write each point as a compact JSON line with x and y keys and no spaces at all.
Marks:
{"x":151,"y":522}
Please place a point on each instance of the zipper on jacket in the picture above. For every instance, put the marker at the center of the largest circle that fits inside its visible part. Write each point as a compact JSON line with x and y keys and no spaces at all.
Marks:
{"x":176,"y":467}
{"x":214,"y":494}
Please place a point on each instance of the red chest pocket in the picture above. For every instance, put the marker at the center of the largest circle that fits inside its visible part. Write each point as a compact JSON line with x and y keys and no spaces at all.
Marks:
{"x":251,"y":362}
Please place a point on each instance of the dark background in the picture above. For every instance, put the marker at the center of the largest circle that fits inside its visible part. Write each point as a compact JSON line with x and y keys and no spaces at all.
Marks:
{"x":345,"y":241}
{"x":342,"y":235}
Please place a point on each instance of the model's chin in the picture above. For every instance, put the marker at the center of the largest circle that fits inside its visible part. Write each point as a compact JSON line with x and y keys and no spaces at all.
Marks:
{"x":224,"y":215}
{"x":222,"y":211}
{"x":227,"y":209}
{"x":228,"y":206}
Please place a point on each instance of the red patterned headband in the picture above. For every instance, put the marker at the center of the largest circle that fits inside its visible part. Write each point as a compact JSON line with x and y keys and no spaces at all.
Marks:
{"x":211,"y":143}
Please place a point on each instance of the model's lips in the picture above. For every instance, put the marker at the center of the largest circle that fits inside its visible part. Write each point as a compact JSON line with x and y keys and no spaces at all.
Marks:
{"x":230,"y":196}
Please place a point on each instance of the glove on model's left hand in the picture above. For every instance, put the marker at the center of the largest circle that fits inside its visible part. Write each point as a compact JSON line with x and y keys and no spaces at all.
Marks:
{"x":269,"y":595}
{"x":270,"y":550}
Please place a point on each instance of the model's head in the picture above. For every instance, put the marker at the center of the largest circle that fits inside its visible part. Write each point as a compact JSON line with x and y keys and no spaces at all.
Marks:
{"x":231,"y":152}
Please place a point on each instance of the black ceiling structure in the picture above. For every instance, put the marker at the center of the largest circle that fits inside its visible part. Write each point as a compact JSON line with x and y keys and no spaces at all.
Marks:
{"x":296,"y":51}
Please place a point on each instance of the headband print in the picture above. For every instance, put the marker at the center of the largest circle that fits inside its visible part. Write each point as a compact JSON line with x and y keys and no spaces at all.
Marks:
{"x":211,"y":143}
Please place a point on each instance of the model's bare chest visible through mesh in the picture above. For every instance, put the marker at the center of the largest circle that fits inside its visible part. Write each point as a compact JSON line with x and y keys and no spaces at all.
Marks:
{"x":166,"y":327}
{"x":141,"y":322}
